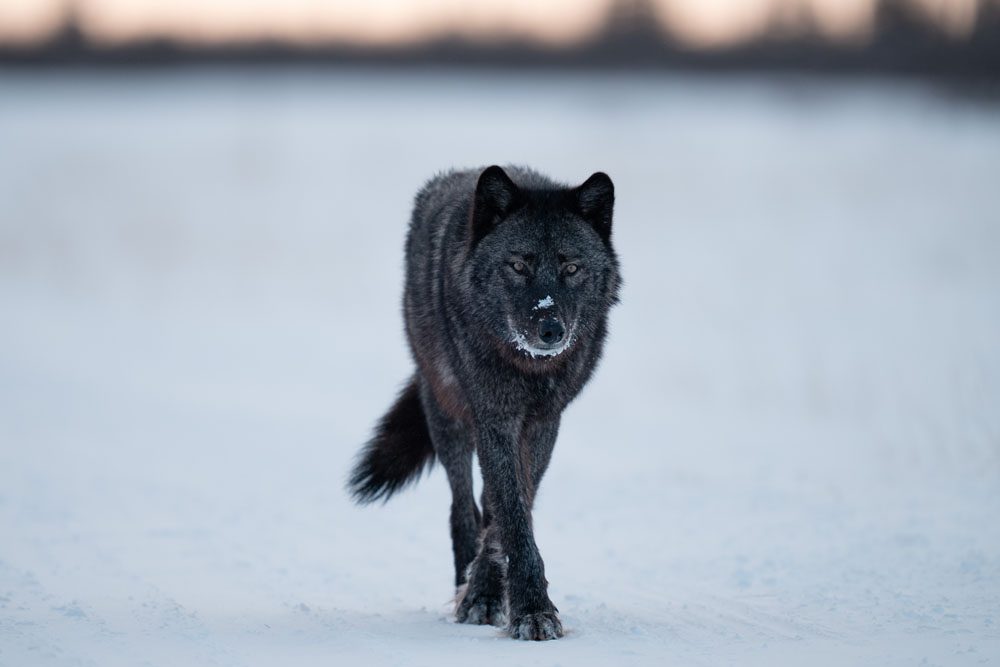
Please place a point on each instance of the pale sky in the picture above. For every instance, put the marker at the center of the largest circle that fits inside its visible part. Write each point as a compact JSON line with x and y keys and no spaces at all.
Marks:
{"x":696,"y":22}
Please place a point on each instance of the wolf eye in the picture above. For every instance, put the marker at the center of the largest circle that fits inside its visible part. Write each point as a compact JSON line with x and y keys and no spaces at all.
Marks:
{"x":518,"y":266}
{"x":571,"y":268}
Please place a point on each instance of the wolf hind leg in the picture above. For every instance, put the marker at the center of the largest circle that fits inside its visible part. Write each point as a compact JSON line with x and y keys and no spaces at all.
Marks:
{"x":482,"y":599}
{"x":453,"y":447}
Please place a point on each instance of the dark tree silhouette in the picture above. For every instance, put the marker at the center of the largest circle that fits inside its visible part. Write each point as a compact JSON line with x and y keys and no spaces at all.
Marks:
{"x":905,"y":41}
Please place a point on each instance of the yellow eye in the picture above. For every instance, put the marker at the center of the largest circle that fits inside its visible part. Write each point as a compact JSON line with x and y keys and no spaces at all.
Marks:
{"x":518,"y":266}
{"x":571,"y":268}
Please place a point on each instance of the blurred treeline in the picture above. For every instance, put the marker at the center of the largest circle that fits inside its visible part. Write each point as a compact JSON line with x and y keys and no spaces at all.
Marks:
{"x":904,"y":39}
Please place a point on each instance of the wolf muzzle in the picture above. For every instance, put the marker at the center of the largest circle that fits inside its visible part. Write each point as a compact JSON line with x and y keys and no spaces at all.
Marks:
{"x":551,"y":332}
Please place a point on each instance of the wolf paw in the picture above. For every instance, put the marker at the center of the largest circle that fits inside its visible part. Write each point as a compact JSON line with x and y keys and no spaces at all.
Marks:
{"x":481,"y":610}
{"x":543,"y":625}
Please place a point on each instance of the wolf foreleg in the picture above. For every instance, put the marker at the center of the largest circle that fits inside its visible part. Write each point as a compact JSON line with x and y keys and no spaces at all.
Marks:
{"x":506,"y":483}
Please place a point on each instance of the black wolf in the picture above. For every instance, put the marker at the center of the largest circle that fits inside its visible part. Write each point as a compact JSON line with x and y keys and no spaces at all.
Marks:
{"x":509,"y":279}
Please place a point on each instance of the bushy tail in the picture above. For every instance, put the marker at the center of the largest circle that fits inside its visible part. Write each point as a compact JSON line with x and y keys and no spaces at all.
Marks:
{"x":398,"y":453}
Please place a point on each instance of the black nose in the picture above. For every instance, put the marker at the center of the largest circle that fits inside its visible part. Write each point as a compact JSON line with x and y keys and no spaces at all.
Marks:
{"x":551,"y":331}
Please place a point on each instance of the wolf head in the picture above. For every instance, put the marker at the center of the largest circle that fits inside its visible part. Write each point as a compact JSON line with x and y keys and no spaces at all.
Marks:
{"x":541,"y":264}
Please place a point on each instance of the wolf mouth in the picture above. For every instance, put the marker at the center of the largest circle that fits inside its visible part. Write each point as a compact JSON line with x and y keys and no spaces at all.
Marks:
{"x":521,"y":341}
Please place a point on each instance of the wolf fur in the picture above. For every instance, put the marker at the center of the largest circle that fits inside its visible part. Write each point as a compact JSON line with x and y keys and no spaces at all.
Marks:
{"x":509,"y":280}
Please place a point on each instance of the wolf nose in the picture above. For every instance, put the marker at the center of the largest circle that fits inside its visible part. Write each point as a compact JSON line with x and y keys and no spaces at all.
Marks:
{"x":551,"y":331}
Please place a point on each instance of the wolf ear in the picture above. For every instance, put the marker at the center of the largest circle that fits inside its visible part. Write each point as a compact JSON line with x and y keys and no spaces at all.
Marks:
{"x":596,"y":199}
{"x":495,"y":198}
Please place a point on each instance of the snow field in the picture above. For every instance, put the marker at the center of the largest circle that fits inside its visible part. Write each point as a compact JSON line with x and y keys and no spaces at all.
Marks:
{"x":788,"y":456}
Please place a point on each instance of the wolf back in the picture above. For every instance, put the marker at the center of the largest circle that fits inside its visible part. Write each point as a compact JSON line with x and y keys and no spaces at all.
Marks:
{"x":510,"y":277}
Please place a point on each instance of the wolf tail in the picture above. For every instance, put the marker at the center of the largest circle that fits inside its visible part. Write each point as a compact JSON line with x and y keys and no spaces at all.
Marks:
{"x":398,"y":453}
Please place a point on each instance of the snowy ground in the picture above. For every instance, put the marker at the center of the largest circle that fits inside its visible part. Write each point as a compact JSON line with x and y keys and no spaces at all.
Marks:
{"x":790,"y":456}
